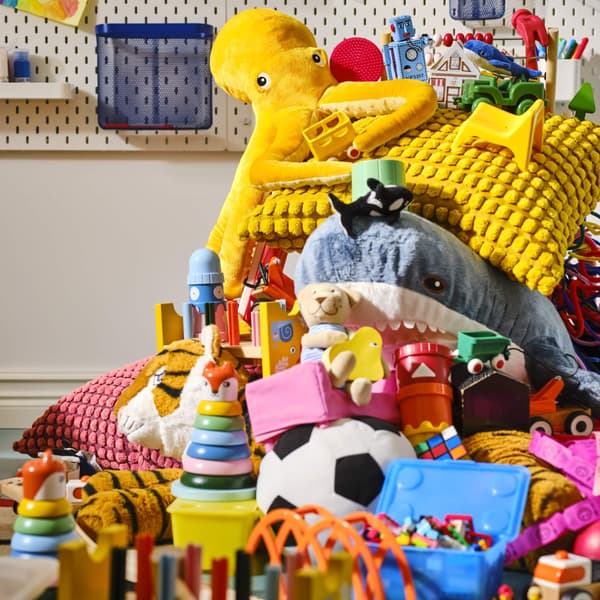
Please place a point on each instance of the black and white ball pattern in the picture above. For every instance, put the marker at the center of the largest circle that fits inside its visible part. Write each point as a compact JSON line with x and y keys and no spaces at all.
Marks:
{"x":340,"y":466}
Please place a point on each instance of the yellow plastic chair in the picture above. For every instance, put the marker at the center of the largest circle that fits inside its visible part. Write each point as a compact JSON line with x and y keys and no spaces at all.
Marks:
{"x":518,"y":133}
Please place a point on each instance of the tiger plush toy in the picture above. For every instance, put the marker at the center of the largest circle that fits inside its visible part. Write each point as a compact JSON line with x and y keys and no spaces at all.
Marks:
{"x":157,"y":410}
{"x":136,"y":499}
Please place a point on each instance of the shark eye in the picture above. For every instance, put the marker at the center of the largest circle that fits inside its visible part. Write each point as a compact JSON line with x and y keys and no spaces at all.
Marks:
{"x":263,"y":80}
{"x":434,"y":284}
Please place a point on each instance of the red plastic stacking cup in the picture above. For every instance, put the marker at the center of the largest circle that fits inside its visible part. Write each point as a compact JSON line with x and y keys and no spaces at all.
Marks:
{"x":422,"y":362}
{"x":424,"y":392}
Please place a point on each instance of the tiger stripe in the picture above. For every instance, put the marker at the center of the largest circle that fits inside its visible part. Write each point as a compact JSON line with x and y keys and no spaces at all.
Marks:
{"x":114,"y":479}
{"x":161,"y":501}
{"x":141,"y":510}
{"x":128,"y":504}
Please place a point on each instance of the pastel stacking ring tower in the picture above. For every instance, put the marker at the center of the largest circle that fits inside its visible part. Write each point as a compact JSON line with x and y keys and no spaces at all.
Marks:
{"x":45,"y":519}
{"x":215,"y":504}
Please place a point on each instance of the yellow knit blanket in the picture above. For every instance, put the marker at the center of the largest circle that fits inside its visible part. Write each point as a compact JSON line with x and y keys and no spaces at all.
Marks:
{"x":521,"y":221}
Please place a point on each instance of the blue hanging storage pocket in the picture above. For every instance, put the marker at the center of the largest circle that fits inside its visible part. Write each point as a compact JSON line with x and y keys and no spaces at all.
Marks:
{"x":476,"y":10}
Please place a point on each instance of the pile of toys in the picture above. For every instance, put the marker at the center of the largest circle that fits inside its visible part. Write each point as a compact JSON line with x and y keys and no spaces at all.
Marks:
{"x":394,"y":342}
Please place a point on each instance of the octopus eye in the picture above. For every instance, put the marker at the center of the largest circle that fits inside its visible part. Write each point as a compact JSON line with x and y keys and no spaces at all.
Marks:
{"x":318,"y":59}
{"x":263,"y":80}
{"x":434,"y":284}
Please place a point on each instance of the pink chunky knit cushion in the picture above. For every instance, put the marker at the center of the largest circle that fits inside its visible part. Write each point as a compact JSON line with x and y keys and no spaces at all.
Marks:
{"x":84,"y":420}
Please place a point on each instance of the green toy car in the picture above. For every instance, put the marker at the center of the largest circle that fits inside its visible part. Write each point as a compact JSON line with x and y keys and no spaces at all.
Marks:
{"x":514,"y":95}
{"x":476,"y":347}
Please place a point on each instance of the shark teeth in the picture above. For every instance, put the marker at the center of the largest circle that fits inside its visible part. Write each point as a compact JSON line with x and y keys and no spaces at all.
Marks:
{"x":421,"y":326}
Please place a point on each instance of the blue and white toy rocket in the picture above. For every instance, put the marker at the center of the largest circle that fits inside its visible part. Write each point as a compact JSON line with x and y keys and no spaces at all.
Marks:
{"x":206,"y":297}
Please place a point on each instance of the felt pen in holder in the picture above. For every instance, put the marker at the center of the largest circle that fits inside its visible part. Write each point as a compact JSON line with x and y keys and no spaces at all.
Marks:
{"x":570,"y":49}
{"x":581,"y":47}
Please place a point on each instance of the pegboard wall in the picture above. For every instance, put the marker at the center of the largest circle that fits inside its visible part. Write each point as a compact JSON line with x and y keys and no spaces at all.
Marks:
{"x":60,"y":53}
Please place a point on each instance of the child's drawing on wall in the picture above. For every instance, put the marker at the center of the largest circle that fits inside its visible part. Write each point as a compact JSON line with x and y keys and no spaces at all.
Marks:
{"x":64,"y":11}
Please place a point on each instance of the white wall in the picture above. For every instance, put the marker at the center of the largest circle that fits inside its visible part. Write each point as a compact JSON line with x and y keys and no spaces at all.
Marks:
{"x":89,"y":242}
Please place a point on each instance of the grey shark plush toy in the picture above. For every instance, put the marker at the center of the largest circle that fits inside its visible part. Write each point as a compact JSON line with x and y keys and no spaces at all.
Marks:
{"x":418,"y":282}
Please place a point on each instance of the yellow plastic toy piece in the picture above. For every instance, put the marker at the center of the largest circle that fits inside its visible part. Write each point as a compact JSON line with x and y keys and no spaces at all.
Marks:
{"x":169,"y":325}
{"x":330,"y":136}
{"x":518,"y":133}
{"x":335,"y":583}
{"x":280,"y":335}
{"x":82,"y":574}
{"x":338,"y":577}
{"x":366,"y":345}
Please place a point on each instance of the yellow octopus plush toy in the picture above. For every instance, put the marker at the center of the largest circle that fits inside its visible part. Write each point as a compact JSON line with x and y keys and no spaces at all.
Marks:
{"x":281,"y":72}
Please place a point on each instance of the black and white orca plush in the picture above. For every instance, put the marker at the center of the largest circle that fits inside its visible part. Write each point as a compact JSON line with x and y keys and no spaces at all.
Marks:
{"x":384,"y":202}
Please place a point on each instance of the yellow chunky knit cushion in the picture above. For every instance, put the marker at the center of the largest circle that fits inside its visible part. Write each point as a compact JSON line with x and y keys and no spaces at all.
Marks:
{"x":521,"y":221}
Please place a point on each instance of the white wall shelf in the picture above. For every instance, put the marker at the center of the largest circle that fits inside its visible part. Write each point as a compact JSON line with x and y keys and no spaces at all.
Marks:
{"x":32,"y":90}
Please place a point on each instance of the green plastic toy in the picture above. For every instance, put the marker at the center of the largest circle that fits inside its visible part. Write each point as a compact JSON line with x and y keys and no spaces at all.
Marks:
{"x":583,"y":102}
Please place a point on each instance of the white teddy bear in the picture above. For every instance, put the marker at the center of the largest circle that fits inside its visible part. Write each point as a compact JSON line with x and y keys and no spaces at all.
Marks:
{"x":325,"y":307}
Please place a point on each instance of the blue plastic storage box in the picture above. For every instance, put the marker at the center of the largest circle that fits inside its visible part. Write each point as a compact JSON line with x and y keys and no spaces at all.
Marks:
{"x":494,"y":495}
{"x":154,"y":76}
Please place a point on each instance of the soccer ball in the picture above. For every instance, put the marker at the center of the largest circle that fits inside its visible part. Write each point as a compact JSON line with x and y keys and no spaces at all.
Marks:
{"x":340,"y":466}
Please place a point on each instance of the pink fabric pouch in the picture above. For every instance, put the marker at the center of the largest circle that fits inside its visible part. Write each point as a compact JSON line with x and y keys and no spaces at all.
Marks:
{"x":303,"y":394}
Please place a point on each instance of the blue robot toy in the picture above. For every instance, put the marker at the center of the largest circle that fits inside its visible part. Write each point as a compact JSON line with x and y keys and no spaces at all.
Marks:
{"x":404,"y":56}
